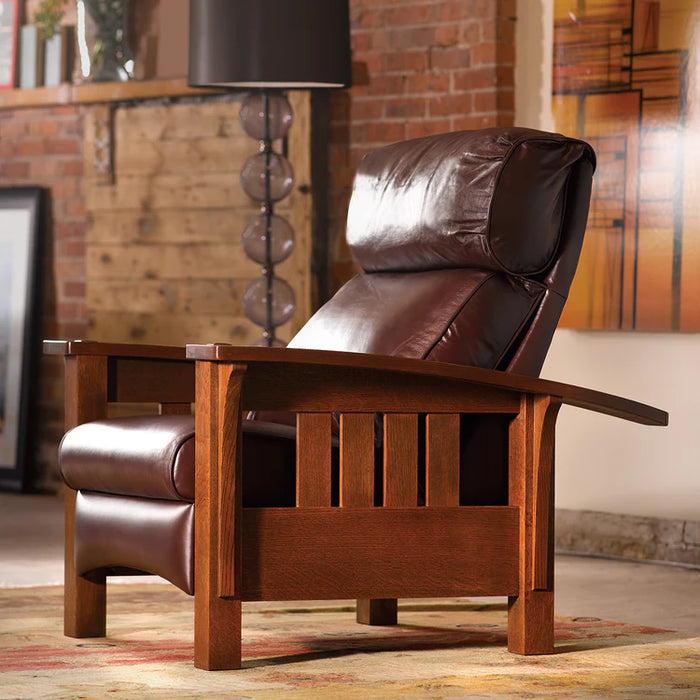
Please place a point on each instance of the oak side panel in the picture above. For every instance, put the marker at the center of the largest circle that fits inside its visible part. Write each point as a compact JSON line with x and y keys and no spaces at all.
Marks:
{"x":442,"y":459}
{"x":379,"y":552}
{"x":313,"y":454}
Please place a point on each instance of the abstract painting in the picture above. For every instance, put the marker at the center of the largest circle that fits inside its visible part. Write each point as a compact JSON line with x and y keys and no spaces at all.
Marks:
{"x":626,"y":78}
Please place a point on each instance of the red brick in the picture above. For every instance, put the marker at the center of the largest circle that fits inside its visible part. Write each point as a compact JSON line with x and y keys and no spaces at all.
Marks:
{"x":70,"y":310}
{"x":447,"y":59}
{"x":13,"y":129}
{"x":468,"y":122}
{"x":367,"y":108}
{"x":405,"y":107}
{"x":411,"y":14}
{"x":447,"y":105}
{"x":43,"y":168}
{"x":30,"y":147}
{"x":366,"y":19}
{"x":427,"y":82}
{"x":76,"y":208}
{"x":381,"y":85}
{"x":70,"y":248}
{"x":73,"y":289}
{"x":447,"y":35}
{"x":412,"y":38}
{"x":14,"y":170}
{"x":471,"y":33}
{"x":43,"y":127}
{"x":485,"y":101}
{"x":68,"y":229}
{"x":69,"y":268}
{"x":72,"y":167}
{"x":65,"y":188}
{"x":428,"y":127}
{"x":474,"y":79}
{"x":384,"y":132}
{"x":60,"y":146}
{"x":406,"y":61}
{"x":484,"y":54}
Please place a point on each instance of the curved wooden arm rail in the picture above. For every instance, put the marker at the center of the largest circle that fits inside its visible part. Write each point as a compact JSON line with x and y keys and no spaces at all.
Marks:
{"x":322,"y":366}
{"x":354,"y":550}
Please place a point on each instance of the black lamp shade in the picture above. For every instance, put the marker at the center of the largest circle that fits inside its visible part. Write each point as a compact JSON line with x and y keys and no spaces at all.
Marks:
{"x":269,"y":43}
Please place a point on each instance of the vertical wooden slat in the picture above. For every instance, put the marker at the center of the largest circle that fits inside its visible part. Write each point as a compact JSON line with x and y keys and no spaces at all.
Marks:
{"x":217,"y":624}
{"x":400,"y":489}
{"x":313,"y":460}
{"x":357,"y":460}
{"x":531,"y":612}
{"x":85,"y":601}
{"x":401,"y":459}
{"x":442,"y":459}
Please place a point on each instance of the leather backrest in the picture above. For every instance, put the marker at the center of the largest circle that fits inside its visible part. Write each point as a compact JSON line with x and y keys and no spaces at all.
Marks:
{"x":468,"y":242}
{"x":491,"y":199}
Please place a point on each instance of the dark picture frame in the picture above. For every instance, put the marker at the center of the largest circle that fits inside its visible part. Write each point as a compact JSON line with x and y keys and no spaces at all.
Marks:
{"x":9,"y":27}
{"x":21,"y":252}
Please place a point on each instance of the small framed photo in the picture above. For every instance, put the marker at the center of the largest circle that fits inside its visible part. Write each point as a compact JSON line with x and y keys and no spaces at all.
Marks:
{"x":9,"y":23}
{"x":21,"y":246}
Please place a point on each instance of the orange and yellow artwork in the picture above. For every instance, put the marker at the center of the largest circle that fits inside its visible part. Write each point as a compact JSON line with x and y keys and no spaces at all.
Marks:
{"x":626,"y":78}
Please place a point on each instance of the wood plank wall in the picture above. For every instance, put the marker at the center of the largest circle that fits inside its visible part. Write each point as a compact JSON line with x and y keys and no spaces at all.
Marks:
{"x":164,"y":263}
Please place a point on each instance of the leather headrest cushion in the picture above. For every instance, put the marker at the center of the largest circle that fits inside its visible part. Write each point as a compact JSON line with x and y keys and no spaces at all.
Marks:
{"x":491,"y":199}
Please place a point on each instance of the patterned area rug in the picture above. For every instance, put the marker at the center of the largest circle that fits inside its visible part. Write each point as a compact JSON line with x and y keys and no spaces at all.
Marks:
{"x":441,"y":649}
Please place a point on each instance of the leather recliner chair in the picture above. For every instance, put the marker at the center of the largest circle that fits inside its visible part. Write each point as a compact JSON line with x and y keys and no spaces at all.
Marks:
{"x":468,"y":244}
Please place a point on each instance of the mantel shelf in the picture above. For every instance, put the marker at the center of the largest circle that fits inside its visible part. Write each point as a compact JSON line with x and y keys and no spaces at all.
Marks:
{"x":69,"y":94}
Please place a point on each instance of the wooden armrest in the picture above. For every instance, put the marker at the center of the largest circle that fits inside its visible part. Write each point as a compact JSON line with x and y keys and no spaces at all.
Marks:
{"x":91,"y":347}
{"x":131,"y":373}
{"x":297,"y":373}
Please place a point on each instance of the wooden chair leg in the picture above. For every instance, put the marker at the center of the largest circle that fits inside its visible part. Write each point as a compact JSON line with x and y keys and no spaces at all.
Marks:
{"x":531,"y":488}
{"x":217,"y":633}
{"x":217,"y":545}
{"x":377,"y":611}
{"x":531,"y":623}
{"x":85,"y":597}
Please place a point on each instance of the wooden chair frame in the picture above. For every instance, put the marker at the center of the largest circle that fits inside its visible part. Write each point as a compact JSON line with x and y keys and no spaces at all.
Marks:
{"x":354,"y":550}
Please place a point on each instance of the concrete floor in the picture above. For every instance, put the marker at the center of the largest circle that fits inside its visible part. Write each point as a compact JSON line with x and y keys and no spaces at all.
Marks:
{"x":31,"y":554}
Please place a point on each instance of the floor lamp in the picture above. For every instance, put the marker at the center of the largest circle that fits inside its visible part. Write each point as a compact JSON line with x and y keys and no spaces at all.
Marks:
{"x":269,"y":47}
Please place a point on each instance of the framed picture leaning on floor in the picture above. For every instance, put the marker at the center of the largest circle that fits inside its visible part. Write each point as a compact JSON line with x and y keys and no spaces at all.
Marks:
{"x":21,"y":246}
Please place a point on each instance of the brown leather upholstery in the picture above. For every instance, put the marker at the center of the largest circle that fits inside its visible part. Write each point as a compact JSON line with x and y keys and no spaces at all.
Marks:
{"x":133,"y":456}
{"x":468,"y":244}
{"x":492,"y":199}
{"x":145,"y":534}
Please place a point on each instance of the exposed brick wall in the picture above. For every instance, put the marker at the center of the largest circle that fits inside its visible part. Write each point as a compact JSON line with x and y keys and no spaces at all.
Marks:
{"x":44,"y":147}
{"x":420,"y":68}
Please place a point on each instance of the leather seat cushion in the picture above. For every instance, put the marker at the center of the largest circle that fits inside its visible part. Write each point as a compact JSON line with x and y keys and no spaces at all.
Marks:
{"x":153,"y":457}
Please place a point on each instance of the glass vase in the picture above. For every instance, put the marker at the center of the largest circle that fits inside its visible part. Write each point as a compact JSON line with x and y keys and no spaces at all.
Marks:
{"x":104,"y":51}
